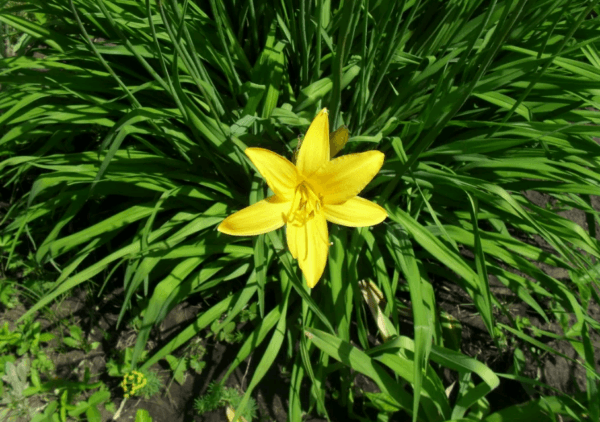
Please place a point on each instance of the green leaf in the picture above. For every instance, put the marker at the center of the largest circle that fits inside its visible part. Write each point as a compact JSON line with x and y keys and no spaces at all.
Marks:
{"x":142,"y":415}
{"x":179,"y":367}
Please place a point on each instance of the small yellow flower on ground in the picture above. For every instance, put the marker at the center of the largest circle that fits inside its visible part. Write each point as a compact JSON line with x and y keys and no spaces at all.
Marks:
{"x":315,"y":190}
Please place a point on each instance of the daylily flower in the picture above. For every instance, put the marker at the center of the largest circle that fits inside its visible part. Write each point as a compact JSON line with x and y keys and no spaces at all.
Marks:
{"x":308,"y":194}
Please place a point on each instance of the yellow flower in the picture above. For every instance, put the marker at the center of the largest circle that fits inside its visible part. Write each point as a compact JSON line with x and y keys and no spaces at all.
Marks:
{"x":308,"y":194}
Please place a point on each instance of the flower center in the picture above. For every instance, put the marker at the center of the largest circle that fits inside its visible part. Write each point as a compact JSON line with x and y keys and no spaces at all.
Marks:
{"x":305,"y":205}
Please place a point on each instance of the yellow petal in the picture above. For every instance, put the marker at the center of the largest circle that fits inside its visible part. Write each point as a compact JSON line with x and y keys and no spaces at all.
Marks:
{"x":279,"y":173}
{"x":311,"y":244}
{"x":314,"y":151}
{"x":337,"y":140}
{"x":292,"y":239}
{"x":264,"y":216}
{"x":344,"y":177}
{"x":355,"y":212}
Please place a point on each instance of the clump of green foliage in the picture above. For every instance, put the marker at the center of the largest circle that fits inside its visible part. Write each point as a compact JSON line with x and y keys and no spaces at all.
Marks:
{"x":226,"y":330}
{"x":144,"y":384}
{"x":122,"y":138}
{"x":78,"y":340}
{"x":218,"y":396}
{"x":15,"y":382}
{"x":153,"y":384}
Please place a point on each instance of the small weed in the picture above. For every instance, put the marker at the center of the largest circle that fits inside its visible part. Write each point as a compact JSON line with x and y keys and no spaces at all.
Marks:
{"x":8,"y":294}
{"x":121,"y":367}
{"x":196,"y":352}
{"x":132,"y":383}
{"x":14,"y":385}
{"x":141,"y":383}
{"x":120,"y":363}
{"x":250,"y":313}
{"x":192,"y":358}
{"x":26,"y":338}
{"x":179,"y":367}
{"x":78,"y":340}
{"x":220,"y":396}
{"x":226,"y":332}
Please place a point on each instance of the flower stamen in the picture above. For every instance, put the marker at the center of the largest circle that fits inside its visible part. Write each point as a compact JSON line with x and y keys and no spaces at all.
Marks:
{"x":305,"y":206}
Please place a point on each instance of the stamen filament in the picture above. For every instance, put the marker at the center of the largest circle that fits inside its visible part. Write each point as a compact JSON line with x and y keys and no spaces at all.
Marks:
{"x":305,"y":206}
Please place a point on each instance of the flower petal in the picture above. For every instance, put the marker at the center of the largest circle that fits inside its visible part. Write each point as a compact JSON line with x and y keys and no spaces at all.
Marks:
{"x":291,"y":232}
{"x":279,"y":173}
{"x":310,"y":242}
{"x":344,"y":177}
{"x":264,"y":216}
{"x":314,"y":151}
{"x":355,"y":212}
{"x":337,"y":140}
